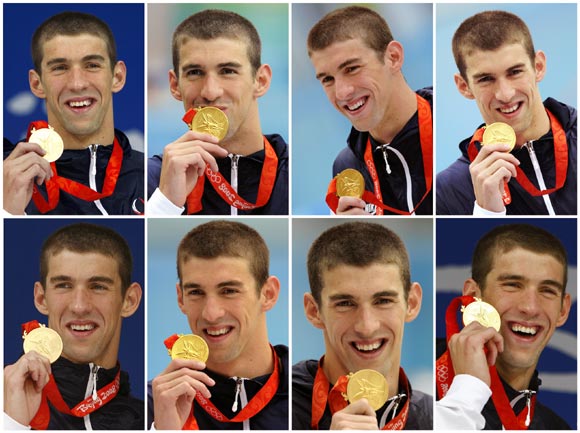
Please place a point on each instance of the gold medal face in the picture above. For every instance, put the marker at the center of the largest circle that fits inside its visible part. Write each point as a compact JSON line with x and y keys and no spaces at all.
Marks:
{"x":210,"y":120}
{"x":369,"y":384}
{"x":44,"y":341}
{"x":190,"y":347}
{"x":50,"y":141}
{"x":483,"y":313}
{"x":499,"y":132}
{"x":350,"y":183}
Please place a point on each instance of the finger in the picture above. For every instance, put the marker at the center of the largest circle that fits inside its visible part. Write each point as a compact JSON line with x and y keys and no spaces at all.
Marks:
{"x":360,"y":407}
{"x":23,"y":148}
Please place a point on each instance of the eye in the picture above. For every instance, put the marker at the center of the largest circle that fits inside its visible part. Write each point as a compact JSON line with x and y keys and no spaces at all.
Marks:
{"x":514,"y":72}
{"x":63,"y":285}
{"x":228,"y":71}
{"x":485,"y":79}
{"x":550,"y":292}
{"x":384,"y":301}
{"x":99,"y":287}
{"x":93,"y":65}
{"x":193,"y":73}
{"x":327,"y":80}
{"x":229,"y":291}
{"x":194,"y":292}
{"x":351,"y":69}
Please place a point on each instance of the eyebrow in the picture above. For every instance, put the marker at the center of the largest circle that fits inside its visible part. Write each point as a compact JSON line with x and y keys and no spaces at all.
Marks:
{"x":341,"y":66}
{"x":548,"y":282}
{"x":228,"y":283}
{"x":381,"y":294}
{"x":485,"y":74}
{"x":84,"y":59}
{"x":219,"y":65}
{"x":94,"y":279}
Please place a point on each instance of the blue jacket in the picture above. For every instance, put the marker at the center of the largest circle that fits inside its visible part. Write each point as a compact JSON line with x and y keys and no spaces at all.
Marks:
{"x":75,"y":165}
{"x":394,"y":185}
{"x":455,"y":195}
{"x":249,"y":171}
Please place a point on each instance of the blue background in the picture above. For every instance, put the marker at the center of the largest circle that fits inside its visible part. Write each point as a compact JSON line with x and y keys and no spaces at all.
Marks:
{"x":456,"y":240}
{"x":21,"y":106}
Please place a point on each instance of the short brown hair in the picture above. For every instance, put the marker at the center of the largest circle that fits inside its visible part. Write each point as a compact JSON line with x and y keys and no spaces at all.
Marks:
{"x":71,"y":24}
{"x":89,"y":238}
{"x":348,"y":23}
{"x":212,"y":24}
{"x":508,"y":237}
{"x":488,"y":31}
{"x":356,"y":244}
{"x":230,"y":239}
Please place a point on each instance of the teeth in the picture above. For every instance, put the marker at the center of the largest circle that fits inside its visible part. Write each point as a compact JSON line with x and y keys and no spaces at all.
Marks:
{"x":509,"y":110}
{"x":82,"y":327}
{"x":357,"y":105}
{"x":217,"y":332}
{"x":524,"y":329}
{"x":84,"y":103}
{"x":367,"y":347}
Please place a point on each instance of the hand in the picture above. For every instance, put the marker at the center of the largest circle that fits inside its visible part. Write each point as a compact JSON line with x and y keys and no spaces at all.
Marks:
{"x":474,"y":350}
{"x":22,"y":167}
{"x":23,"y":384}
{"x":174,"y":391}
{"x":492,"y":167}
{"x":351,"y":206}
{"x":356,"y":416}
{"x":184,"y":161}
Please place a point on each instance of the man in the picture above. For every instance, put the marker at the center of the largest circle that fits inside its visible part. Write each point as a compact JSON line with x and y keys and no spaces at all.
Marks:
{"x":225,"y":290}
{"x":85,"y":290}
{"x":500,"y":69}
{"x":521,"y":270}
{"x":76,"y":72}
{"x":361,"y":296}
{"x":359,"y":65}
{"x":216,"y":63}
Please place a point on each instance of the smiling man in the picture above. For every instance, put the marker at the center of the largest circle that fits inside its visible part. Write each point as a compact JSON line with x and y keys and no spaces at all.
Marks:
{"x":225,"y":290}
{"x":85,"y":289}
{"x":522,"y":271}
{"x":76,"y":72}
{"x":361,"y":297}
{"x":359,"y":65}
{"x":500,"y":69}
{"x":217,"y":63}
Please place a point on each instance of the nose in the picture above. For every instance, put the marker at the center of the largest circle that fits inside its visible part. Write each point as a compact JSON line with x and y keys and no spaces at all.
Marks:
{"x":367,"y":322}
{"x":504,"y":91}
{"x":212,"y":89}
{"x":342,"y":89}
{"x":81,"y":301}
{"x":212,"y":310}
{"x":529,"y":303}
{"x":78,"y":80}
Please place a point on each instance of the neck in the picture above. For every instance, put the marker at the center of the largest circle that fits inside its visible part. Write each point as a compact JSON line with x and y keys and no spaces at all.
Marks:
{"x":258,"y":362}
{"x":518,"y":378}
{"x":539,"y":127}
{"x":248,"y":138}
{"x":401,"y":107}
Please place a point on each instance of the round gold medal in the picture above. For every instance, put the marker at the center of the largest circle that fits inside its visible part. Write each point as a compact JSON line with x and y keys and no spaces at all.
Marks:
{"x":350,"y":183}
{"x":50,"y":141}
{"x":499,"y":132}
{"x":190,"y":347}
{"x":210,"y":120}
{"x":369,"y":384}
{"x":483,"y":313}
{"x":44,"y":341}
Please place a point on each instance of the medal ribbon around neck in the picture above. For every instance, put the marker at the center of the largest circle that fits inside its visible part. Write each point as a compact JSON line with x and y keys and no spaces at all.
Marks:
{"x":444,"y":374}
{"x":51,"y":393}
{"x":336,"y":400}
{"x":425,"y":121}
{"x":57,"y":183}
{"x":560,"y":158}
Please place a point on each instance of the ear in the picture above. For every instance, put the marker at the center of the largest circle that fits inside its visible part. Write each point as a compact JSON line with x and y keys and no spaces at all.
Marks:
{"x":132,"y":300}
{"x":119,"y":76}
{"x":40,"y":299}
{"x":35,"y":84}
{"x":179,"y":293}
{"x":463,"y":86}
{"x":269,"y":293}
{"x":540,"y":65}
{"x":312,"y":312}
{"x":414,"y":302}
{"x":564,"y":310}
{"x":394,"y":55}
{"x":174,"y":85}
{"x":262,"y":80}
{"x":471,"y":288}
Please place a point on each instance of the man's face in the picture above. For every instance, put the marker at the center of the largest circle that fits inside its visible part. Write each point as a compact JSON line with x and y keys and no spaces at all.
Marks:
{"x":504,"y":85}
{"x":83,"y":301}
{"x":217,"y":73}
{"x":78,"y":84}
{"x":222,"y":306}
{"x":362,"y":315}
{"x":526,"y":289}
{"x":356,"y":82}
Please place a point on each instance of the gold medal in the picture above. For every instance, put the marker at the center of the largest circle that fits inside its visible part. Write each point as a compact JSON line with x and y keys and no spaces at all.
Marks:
{"x":50,"y":141}
{"x":350,"y":183}
{"x":190,"y":347}
{"x":481,"y":312}
{"x":44,"y":341}
{"x":210,"y":120}
{"x":369,"y":384}
{"x":499,"y":132}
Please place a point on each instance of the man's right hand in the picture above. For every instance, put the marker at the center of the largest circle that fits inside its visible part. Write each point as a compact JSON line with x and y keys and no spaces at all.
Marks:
{"x":174,"y":391}
{"x":474,"y":350}
{"x":184,"y":161}
{"x":351,"y":206}
{"x":492,"y":167}
{"x":23,"y":384}
{"x":22,"y":167}
{"x":356,"y":416}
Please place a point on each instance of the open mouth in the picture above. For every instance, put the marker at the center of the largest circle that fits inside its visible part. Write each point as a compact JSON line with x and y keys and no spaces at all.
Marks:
{"x":82,"y":328}
{"x":79,"y":104}
{"x":218,"y":332}
{"x":368,"y":348}
{"x":510,"y":109}
{"x":357,"y":105}
{"x":524,"y":331}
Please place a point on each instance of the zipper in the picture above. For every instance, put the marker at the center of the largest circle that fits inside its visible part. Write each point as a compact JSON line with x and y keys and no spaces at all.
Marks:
{"x":530,"y":147}
{"x":528,"y":394}
{"x":406,"y":170}
{"x":392,"y":408}
{"x":91,"y":391}
{"x":234,"y":179}
{"x":92,"y":176}
{"x":383,"y":148}
{"x":239,"y":381}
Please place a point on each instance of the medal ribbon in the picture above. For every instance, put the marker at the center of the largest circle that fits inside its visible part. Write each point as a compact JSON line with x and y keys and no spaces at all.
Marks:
{"x":445,"y":373}
{"x":560,"y":158}
{"x":57,"y":183}
{"x":51,"y":393}
{"x":425,"y":121}
{"x":336,"y":400}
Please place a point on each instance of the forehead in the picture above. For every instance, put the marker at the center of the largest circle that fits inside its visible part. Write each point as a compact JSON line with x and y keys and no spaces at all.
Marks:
{"x":495,"y":61}
{"x":213,"y":51}
{"x":71,"y":46}
{"x":335,"y":54}
{"x":530,"y":264}
{"x":87,"y":264}
{"x":222,"y":266}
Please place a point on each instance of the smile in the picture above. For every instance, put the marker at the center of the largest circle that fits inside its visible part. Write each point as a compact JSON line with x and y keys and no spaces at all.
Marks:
{"x":368,"y":347}
{"x":357,"y":104}
{"x":524,"y":331}
{"x":80,"y":104}
{"x":218,"y":332}
{"x":510,"y":109}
